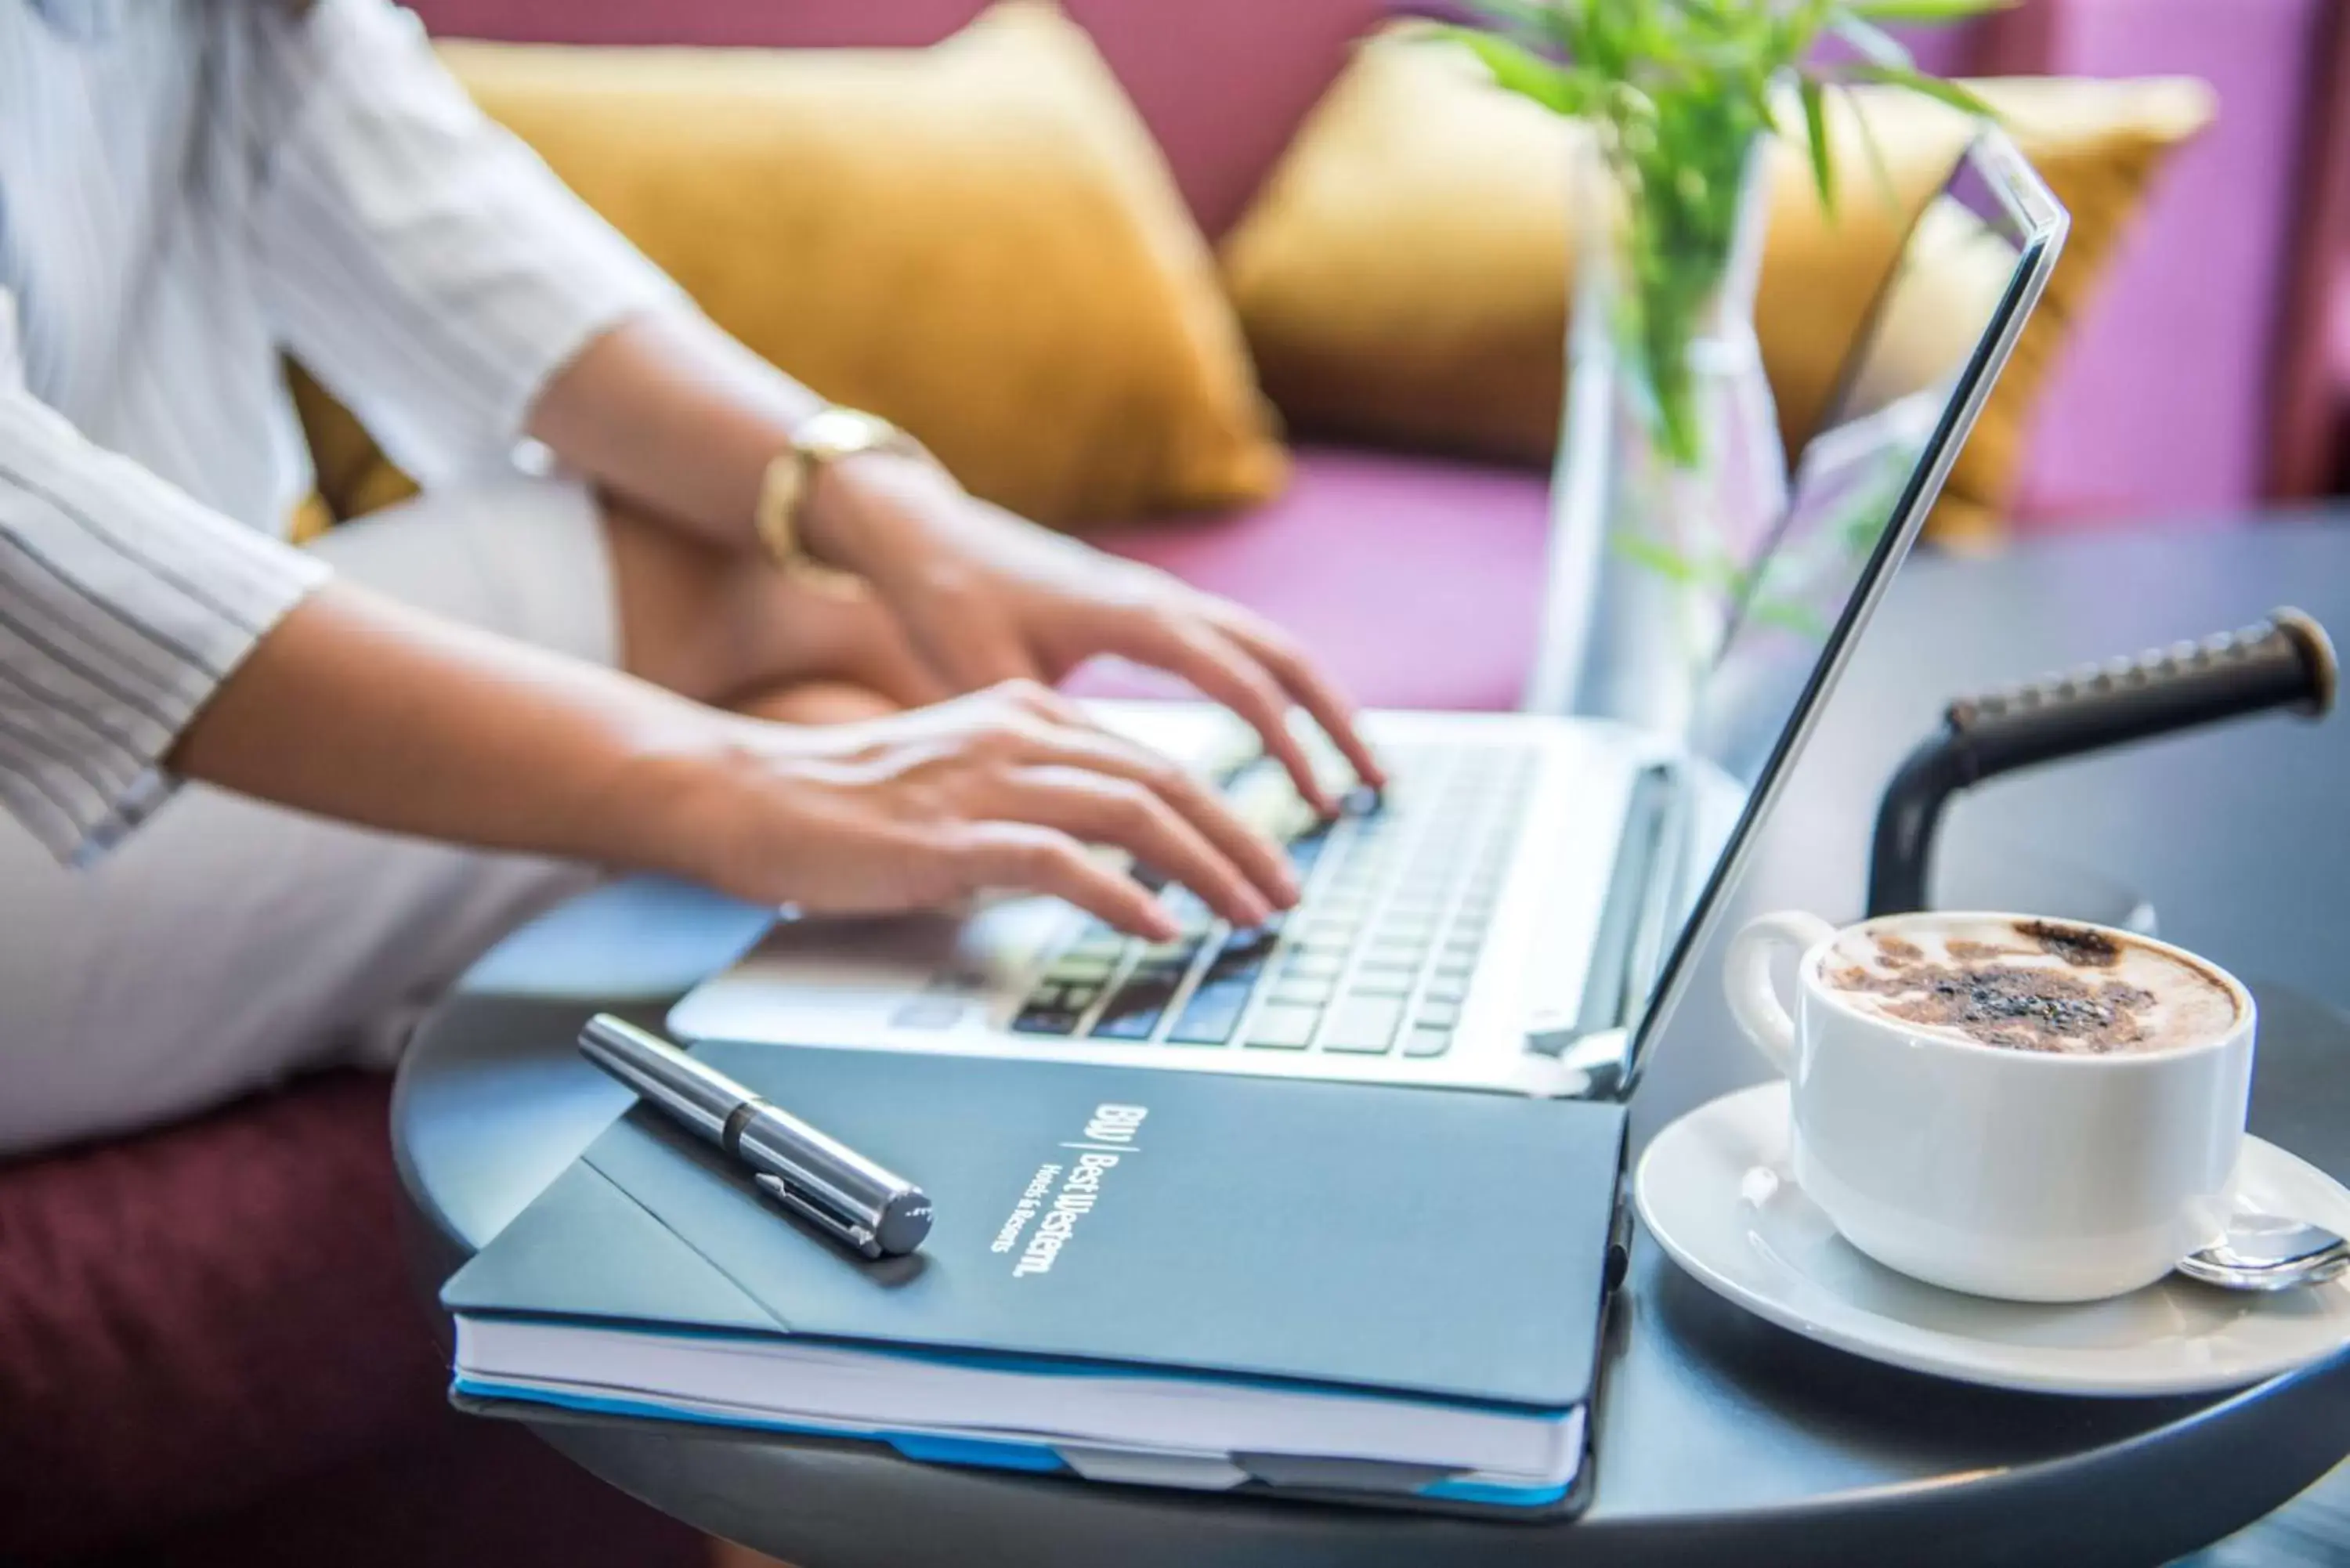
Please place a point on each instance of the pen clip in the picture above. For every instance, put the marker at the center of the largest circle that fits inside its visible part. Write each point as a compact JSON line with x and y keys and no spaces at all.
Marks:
{"x":811,"y":1209}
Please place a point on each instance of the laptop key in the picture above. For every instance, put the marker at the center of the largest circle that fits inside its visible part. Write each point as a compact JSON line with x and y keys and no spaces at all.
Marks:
{"x":1312,"y":966}
{"x":1423,"y":1042}
{"x":1447,"y":988}
{"x":1280,"y":1027}
{"x":1211,"y":1015}
{"x":1302,"y":991}
{"x":1134,"y":1011}
{"x":1438,"y":1014}
{"x":1381,"y":983}
{"x":1365,"y":1025}
{"x":1238,"y":969}
{"x":1044,"y":1021}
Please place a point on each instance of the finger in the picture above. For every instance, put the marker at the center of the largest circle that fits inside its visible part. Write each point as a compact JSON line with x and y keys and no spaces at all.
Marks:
{"x":1098,"y":809}
{"x":1038,"y":859}
{"x":1212,"y":662}
{"x":1033,"y":697}
{"x":1084,"y":744}
{"x":1313,"y":689}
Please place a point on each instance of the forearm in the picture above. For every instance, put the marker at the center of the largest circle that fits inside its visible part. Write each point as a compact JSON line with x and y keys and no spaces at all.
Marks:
{"x":357,"y":707}
{"x":672,"y":413}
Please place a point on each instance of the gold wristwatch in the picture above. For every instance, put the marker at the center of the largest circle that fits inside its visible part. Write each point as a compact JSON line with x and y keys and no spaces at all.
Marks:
{"x":827,"y":436}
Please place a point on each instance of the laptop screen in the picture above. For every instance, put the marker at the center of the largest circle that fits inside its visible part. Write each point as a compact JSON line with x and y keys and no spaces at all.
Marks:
{"x":1944,"y":318}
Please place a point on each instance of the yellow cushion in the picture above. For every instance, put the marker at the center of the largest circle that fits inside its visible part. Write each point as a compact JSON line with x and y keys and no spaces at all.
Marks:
{"x":1403,"y":278}
{"x":353,"y":476}
{"x":978,"y":241}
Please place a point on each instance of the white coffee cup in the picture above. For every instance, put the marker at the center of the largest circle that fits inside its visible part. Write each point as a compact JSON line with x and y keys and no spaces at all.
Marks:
{"x":2025,"y":1175}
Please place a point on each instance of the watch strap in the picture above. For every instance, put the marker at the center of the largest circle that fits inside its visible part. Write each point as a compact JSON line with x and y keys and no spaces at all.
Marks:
{"x":828,"y":436}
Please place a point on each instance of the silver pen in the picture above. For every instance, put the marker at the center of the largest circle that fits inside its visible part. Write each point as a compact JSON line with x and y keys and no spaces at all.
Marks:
{"x":819,"y":1178}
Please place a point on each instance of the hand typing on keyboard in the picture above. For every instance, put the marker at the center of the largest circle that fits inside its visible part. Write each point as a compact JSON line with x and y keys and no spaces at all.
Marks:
{"x":999,"y":790}
{"x":1376,"y":958}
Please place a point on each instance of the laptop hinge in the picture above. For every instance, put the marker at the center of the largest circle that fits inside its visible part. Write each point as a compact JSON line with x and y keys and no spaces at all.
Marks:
{"x":1631,"y":926}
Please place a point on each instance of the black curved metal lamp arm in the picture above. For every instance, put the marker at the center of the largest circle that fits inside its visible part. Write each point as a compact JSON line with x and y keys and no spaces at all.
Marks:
{"x":2286,"y":661}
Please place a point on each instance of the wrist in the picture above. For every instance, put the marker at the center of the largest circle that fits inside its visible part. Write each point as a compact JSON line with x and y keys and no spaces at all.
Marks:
{"x":682,"y":797}
{"x":870,"y":513}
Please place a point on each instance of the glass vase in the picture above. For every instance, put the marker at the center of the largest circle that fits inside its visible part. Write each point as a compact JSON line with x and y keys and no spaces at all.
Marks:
{"x":1671,"y":473}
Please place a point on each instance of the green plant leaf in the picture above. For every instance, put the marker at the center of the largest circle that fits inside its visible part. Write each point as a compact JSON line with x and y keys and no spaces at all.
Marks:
{"x":1931,"y":86}
{"x":1815,"y":129}
{"x":1659,"y":558}
{"x":1515,"y":67}
{"x":1788,"y":614}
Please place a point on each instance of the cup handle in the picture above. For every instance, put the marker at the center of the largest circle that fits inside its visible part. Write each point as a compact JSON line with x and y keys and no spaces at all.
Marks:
{"x":1746,"y":975}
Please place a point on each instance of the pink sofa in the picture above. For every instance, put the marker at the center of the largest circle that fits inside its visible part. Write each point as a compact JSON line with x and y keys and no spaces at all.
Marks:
{"x":209,"y":1348}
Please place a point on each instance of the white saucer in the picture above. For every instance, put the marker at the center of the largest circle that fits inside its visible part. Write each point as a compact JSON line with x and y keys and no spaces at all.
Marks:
{"x":1718,"y":1193}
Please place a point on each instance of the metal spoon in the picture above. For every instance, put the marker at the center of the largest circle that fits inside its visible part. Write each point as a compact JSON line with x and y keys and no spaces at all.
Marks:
{"x":2268,"y":1253}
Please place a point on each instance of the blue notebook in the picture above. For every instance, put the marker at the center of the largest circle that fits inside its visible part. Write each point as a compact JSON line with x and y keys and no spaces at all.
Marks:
{"x":1164,"y":1278}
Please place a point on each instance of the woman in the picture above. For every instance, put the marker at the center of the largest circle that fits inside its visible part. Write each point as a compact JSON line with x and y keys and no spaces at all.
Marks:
{"x":730,"y":634}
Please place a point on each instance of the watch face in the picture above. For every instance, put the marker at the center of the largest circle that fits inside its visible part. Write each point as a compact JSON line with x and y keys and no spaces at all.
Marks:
{"x":838,"y":432}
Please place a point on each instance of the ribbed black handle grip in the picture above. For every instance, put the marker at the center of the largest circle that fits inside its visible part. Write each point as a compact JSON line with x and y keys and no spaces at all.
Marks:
{"x":2286,"y":661}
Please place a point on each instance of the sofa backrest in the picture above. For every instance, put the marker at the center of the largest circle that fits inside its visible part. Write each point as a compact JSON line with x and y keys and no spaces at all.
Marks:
{"x":1221,"y":83}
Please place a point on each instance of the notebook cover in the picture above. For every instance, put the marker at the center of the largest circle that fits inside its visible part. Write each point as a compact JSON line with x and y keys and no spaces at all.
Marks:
{"x":1435,"y":1243}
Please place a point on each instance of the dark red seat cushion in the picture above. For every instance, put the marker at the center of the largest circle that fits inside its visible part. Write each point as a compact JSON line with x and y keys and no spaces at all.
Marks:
{"x":193,"y":1319}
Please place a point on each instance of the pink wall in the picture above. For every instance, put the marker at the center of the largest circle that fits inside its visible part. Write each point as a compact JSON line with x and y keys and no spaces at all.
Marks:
{"x":2159,"y":406}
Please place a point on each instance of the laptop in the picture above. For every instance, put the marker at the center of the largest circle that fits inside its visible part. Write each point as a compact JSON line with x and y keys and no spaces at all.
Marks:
{"x":1519,"y":910}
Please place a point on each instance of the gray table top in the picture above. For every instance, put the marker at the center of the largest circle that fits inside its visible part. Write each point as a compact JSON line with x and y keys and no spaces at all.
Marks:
{"x":1718,"y":1432}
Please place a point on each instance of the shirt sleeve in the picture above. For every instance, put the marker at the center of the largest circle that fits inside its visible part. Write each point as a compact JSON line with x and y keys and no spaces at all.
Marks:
{"x":421,"y":262}
{"x":124,"y":604}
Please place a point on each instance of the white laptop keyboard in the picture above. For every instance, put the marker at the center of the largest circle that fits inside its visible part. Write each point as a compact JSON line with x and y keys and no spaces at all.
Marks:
{"x":1376,"y":958}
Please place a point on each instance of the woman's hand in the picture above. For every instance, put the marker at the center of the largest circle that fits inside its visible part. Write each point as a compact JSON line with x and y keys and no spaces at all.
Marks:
{"x":668,"y":411}
{"x":984,"y":596}
{"x":1001,"y":789}
{"x":359,"y":708}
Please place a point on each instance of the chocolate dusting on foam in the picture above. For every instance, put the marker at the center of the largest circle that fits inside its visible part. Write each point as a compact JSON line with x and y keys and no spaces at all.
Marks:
{"x":2083,"y":946}
{"x":2024,"y":1009}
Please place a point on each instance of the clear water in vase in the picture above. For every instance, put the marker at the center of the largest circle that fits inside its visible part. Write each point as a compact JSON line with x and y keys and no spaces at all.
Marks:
{"x":1658,"y":511}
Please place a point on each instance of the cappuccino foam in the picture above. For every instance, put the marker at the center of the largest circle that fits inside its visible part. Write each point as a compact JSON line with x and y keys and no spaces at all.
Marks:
{"x":2029,"y":985}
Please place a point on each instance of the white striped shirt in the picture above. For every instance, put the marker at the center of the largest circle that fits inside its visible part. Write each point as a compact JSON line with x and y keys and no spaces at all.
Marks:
{"x":187,"y":188}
